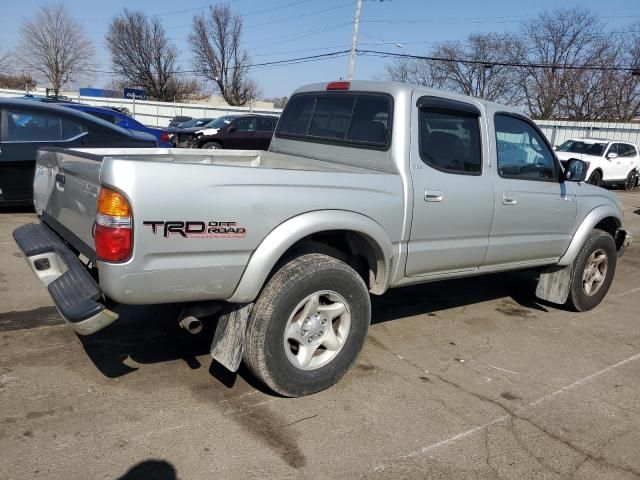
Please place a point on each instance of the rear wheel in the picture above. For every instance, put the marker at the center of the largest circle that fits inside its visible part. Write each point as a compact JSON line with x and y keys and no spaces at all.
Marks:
{"x":595,"y":178}
{"x":632,"y":180}
{"x":594,"y":268}
{"x":211,"y":146}
{"x":308,"y":325}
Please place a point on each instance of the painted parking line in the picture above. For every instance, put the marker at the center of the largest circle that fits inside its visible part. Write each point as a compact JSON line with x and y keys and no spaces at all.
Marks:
{"x":479,"y":428}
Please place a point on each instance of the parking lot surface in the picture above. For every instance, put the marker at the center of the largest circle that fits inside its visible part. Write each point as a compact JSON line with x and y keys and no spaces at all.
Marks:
{"x":465,"y":379}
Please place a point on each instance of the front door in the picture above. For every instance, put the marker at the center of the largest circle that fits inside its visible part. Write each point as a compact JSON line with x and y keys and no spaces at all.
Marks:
{"x":452,"y":188}
{"x":535,"y":212}
{"x":241,"y":134}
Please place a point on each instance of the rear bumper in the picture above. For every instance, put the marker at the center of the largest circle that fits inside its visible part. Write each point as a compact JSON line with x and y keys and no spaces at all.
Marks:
{"x":75,"y":293}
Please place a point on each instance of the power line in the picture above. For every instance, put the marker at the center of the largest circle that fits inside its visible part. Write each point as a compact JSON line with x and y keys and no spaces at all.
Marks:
{"x":490,"y":64}
{"x":278,"y":20}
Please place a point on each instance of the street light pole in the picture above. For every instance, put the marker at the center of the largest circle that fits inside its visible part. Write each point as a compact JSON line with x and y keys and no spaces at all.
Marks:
{"x":354,"y":39}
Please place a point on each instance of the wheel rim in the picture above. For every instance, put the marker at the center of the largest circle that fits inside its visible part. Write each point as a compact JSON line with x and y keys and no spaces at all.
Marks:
{"x":317,"y":330}
{"x":595,"y":272}
{"x":213,"y":147}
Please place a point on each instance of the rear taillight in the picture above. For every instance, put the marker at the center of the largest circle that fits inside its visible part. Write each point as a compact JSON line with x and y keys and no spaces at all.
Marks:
{"x":113,"y":232}
{"x":164,"y":137}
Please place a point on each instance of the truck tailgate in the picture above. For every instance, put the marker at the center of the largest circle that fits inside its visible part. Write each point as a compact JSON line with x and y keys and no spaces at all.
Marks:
{"x":66,"y":194}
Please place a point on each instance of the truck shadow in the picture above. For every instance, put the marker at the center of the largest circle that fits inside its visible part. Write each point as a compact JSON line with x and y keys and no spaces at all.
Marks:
{"x":150,"y":334}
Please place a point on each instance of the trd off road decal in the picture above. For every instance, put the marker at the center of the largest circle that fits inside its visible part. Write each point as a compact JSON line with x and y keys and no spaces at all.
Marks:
{"x":195,"y":229}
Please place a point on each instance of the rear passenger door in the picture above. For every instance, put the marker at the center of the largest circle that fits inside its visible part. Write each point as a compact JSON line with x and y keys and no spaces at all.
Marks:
{"x":452,"y":187}
{"x":264,"y":132}
{"x":535,"y":212}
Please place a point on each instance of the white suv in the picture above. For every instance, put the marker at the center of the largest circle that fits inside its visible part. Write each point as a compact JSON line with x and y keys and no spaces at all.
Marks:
{"x":610,"y":162}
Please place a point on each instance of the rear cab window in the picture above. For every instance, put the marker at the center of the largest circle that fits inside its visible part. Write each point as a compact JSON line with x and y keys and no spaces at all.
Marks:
{"x":352,"y":119}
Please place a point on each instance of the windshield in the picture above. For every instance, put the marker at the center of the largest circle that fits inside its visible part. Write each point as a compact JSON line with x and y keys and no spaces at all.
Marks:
{"x":195,"y":122}
{"x":573,"y":146}
{"x":221,"y":121}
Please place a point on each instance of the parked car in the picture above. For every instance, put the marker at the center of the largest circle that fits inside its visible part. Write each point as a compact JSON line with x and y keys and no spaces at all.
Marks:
{"x":366,"y":186}
{"x":26,"y":125}
{"x":121,"y":119}
{"x":178,"y":119}
{"x":245,"y":132}
{"x":610,"y":162}
{"x":178,"y":136}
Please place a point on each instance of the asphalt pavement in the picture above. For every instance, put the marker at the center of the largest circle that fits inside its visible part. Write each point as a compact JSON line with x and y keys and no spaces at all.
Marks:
{"x":469,"y":379}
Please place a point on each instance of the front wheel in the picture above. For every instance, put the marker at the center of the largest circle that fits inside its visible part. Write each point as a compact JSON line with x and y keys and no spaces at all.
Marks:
{"x":211,"y":146}
{"x":594,"y":267}
{"x":308,"y":325}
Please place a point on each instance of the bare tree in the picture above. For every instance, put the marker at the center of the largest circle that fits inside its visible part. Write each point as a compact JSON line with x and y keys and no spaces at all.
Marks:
{"x":142,"y":55}
{"x":562,"y":37}
{"x":4,"y":61}
{"x":54,"y":46}
{"x":623,"y":91}
{"x":20,"y":81}
{"x":218,"y":56}
{"x":457,"y":68}
{"x":417,"y":72}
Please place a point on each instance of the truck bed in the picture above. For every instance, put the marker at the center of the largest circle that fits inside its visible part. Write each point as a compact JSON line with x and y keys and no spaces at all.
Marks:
{"x":254,"y":191}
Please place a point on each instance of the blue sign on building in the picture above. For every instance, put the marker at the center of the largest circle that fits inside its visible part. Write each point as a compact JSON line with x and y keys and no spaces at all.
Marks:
{"x":135,"y":93}
{"x":99,"y":92}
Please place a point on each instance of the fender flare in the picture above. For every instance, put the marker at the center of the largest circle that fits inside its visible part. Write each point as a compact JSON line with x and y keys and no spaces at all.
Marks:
{"x":285,"y":235}
{"x":587,"y":225}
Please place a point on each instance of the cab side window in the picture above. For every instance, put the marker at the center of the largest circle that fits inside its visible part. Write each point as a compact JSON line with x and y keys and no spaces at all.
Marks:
{"x":245,"y":124}
{"x":613,"y":149}
{"x":450,"y":141}
{"x":522,"y":152}
{"x":264,"y":125}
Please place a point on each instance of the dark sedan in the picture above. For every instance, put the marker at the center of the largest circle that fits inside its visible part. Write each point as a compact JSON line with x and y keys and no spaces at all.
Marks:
{"x":26,"y":125}
{"x":246,"y":132}
{"x":178,"y":136}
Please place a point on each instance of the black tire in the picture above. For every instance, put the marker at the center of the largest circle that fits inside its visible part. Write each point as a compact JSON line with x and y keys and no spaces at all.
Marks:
{"x":597,"y":241}
{"x":211,"y":146}
{"x":631,"y":181}
{"x":595,"y":178}
{"x":265,"y":353}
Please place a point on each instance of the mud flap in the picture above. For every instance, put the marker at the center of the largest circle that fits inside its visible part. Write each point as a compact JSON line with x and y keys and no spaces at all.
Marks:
{"x":555,"y":283}
{"x":228,"y":339}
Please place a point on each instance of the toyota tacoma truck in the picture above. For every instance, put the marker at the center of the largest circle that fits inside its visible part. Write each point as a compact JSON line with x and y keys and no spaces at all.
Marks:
{"x":366,"y":186}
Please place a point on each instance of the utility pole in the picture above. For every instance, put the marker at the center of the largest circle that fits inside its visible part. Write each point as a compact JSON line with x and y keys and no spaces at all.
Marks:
{"x":354,"y":39}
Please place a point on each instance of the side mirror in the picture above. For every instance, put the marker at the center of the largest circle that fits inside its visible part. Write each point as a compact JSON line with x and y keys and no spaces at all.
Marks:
{"x":575,"y":170}
{"x":612,"y":156}
{"x":555,"y":147}
{"x":232,"y":129}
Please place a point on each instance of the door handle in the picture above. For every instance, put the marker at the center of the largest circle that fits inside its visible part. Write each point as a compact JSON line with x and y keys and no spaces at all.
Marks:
{"x":433,"y":196}
{"x":509,"y":199}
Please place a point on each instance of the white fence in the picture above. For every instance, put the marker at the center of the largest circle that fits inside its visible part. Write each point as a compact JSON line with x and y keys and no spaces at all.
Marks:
{"x":557,"y":131}
{"x":158,"y":114}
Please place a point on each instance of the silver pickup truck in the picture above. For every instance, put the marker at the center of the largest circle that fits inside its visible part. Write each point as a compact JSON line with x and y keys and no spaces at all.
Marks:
{"x":366,"y":186}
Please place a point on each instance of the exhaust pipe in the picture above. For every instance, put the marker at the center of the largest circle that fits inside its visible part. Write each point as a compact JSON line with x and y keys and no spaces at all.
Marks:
{"x":191,"y":325}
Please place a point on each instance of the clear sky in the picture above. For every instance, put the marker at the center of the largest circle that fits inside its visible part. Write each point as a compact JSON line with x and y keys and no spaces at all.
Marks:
{"x":285,"y":29}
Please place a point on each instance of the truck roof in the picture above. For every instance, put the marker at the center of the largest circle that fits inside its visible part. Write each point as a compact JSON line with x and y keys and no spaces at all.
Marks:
{"x":396,"y":89}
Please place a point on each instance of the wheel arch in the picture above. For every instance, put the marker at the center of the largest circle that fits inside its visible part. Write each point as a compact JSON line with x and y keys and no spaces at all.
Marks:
{"x":339,"y":233}
{"x":604,"y":217}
